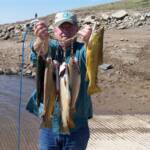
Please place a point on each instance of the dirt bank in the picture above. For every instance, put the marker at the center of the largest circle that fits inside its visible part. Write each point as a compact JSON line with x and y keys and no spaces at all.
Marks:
{"x":125,"y":87}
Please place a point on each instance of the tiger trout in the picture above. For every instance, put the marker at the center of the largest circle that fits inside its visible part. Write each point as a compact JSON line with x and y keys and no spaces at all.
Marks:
{"x":49,"y":93}
{"x":94,"y":58}
{"x":74,"y":81}
{"x":65,"y":99}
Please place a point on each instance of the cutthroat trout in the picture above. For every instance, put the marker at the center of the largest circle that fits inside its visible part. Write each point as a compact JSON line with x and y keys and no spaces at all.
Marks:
{"x":49,"y":93}
{"x":74,"y":81}
{"x":94,"y":58}
{"x":65,"y":99}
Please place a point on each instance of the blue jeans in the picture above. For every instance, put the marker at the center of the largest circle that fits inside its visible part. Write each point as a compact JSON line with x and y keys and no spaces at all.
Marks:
{"x":77,"y":140}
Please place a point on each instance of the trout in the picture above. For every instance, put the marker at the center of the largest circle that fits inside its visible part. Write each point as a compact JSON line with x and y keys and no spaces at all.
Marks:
{"x":40,"y":71}
{"x":40,"y":79}
{"x":65,"y":98}
{"x":94,"y":58}
{"x":74,"y":81}
{"x":49,"y":93}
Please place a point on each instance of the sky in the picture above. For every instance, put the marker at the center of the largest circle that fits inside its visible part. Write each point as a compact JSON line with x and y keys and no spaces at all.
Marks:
{"x":12,"y":11}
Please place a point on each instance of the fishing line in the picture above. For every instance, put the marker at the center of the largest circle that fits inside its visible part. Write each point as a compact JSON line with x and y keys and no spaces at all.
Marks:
{"x":20,"y":91}
{"x":24,"y":35}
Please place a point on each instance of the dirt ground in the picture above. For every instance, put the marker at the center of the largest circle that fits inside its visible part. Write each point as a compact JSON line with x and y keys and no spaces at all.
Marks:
{"x":125,"y":87}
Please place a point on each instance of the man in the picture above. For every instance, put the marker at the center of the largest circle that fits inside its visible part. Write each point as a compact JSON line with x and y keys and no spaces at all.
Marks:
{"x":65,"y":27}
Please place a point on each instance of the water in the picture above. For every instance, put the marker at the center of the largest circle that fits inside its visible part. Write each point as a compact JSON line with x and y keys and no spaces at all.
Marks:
{"x":9,"y":91}
{"x":9,"y":102}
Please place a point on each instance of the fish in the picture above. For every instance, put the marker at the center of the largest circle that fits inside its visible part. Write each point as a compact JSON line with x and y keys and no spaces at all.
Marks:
{"x":65,"y":99}
{"x":49,"y":94}
{"x":74,"y":81}
{"x":40,"y":79}
{"x":94,"y":58}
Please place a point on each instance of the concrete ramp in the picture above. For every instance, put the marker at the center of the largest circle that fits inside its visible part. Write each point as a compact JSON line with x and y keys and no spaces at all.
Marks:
{"x":108,"y":132}
{"x":120,"y":132}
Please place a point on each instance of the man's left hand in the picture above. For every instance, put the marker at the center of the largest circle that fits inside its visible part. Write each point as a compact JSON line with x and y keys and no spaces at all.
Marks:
{"x":85,"y":33}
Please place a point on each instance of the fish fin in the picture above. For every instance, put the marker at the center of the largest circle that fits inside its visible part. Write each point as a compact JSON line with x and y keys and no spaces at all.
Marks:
{"x":93,"y":89}
{"x":73,"y":110}
{"x":65,"y":129}
{"x":70,"y":123}
{"x":86,"y":76}
{"x":46,"y":123}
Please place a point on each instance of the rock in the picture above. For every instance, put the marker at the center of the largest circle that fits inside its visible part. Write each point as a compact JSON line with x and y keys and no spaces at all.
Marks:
{"x":4,"y":30}
{"x":1,"y":71}
{"x":118,"y":22}
{"x":10,"y":71}
{"x":106,"y":66}
{"x":33,"y":75}
{"x":89,"y":19}
{"x":2,"y":34}
{"x":7,"y":36}
{"x":119,"y":14}
{"x":147,"y":15}
{"x":11,"y":28}
{"x":115,"y":46}
{"x":136,"y":14}
{"x":28,"y":72}
{"x":139,"y":24}
{"x":93,"y":17}
{"x":13,"y":71}
{"x":123,"y":26}
{"x":142,"y":18}
{"x":7,"y":71}
{"x":122,"y":39}
{"x":105,"y":16}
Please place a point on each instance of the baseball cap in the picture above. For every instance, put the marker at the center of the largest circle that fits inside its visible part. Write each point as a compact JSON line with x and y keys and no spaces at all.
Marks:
{"x":66,"y":16}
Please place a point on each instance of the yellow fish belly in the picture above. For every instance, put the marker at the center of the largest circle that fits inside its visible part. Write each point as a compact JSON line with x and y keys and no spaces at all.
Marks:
{"x":94,"y":57}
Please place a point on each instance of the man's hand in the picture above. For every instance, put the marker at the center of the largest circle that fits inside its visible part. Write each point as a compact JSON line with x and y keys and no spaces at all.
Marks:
{"x":85,"y":33}
{"x":41,"y":43}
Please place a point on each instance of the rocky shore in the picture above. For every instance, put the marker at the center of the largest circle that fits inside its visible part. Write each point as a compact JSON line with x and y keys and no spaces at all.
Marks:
{"x":126,"y":85}
{"x":11,"y":35}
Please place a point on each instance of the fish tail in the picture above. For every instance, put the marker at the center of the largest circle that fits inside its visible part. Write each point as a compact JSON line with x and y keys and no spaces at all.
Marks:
{"x":65,"y":129}
{"x":93,"y":89}
{"x":46,"y":123}
{"x":70,"y":123}
{"x":73,"y":110}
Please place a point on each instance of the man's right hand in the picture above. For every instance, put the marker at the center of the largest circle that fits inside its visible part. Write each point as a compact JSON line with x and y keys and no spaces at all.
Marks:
{"x":41,"y":43}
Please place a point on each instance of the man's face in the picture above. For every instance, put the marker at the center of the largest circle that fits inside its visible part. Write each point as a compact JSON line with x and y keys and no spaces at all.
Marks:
{"x":65,"y":31}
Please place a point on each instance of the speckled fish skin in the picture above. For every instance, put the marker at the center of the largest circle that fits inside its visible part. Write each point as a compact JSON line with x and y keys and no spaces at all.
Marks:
{"x":65,"y":99}
{"x":74,"y":81}
{"x":49,"y":94}
{"x":94,"y":58}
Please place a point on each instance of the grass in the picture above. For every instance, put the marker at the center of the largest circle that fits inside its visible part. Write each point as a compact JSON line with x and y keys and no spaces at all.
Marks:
{"x":123,"y":4}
